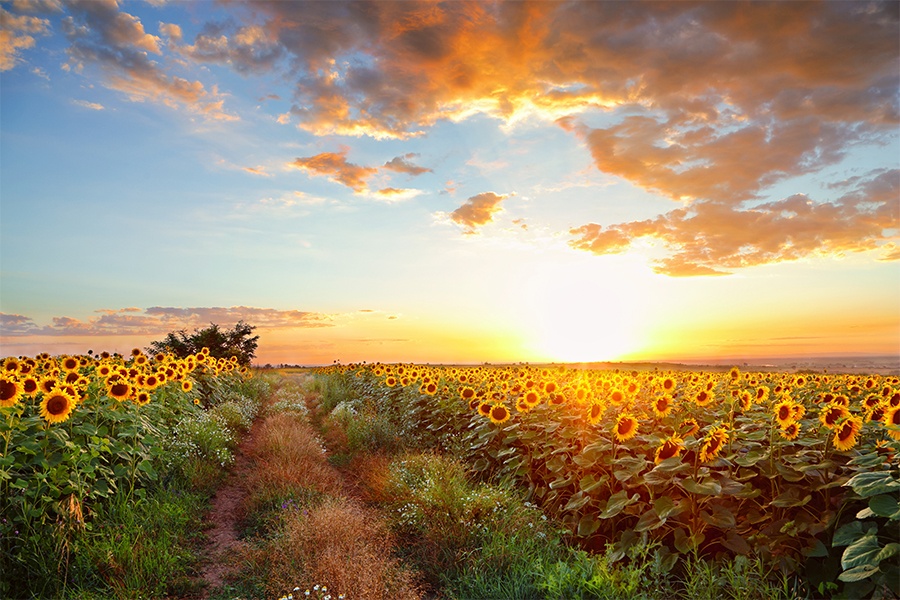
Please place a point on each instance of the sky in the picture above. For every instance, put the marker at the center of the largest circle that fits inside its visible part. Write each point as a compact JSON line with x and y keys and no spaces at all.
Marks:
{"x":452,"y":181}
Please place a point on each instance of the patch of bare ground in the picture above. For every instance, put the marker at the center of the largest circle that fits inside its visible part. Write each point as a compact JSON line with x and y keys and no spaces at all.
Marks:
{"x":222,"y":537}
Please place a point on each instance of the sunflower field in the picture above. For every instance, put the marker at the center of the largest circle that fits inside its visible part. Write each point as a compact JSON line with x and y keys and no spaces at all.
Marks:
{"x":801,"y":469}
{"x":83,"y":435}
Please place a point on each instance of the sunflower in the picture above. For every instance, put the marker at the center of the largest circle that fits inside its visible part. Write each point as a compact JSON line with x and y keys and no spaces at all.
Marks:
{"x":550,"y":387}
{"x":617,"y":397}
{"x":69,"y":363}
{"x":784,"y":413}
{"x":581,"y":394}
{"x":791,"y":432}
{"x":746,"y":400}
{"x":466,"y":393}
{"x":668,"y":384}
{"x":142,"y":398}
{"x":11,"y":365}
{"x":531,"y":398}
{"x":670,"y":448}
{"x":734,"y":374}
{"x":662,"y":406}
{"x":429,"y":389}
{"x":846,"y":433}
{"x":594,"y":413}
{"x":713,"y":443}
{"x":57,"y":406}
{"x":10,"y":391}
{"x":30,"y":386}
{"x":558,"y":398}
{"x":136,"y":352}
{"x":390,"y":381}
{"x":832,"y":413}
{"x":187,"y":385}
{"x":119,"y":390}
{"x":692,"y":426}
{"x":499,"y":414}
{"x":626,"y":427}
{"x":891,"y":419}
{"x":703,"y":398}
{"x":762,"y":393}
{"x":484,"y":409}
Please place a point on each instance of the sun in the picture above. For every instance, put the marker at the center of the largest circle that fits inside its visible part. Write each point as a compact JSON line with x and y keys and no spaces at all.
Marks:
{"x":590,"y":313}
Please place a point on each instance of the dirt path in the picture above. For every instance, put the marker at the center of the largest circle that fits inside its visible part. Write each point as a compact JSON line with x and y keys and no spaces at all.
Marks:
{"x":223,"y":537}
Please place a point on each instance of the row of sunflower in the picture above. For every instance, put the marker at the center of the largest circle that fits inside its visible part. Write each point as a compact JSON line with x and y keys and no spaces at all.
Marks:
{"x":76,"y":431}
{"x":716,"y":463}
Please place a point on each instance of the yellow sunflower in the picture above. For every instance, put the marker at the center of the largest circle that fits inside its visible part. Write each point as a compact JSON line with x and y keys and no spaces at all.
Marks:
{"x":691,"y":427}
{"x":891,"y":419}
{"x":713,"y":444}
{"x":784,"y":413}
{"x":626,"y":427}
{"x":594,"y":413}
{"x":57,"y":406}
{"x":670,"y":448}
{"x":791,"y":432}
{"x":499,"y":414}
{"x":484,"y":409}
{"x":662,"y":406}
{"x":832,"y":413}
{"x":10,"y":391}
{"x":187,"y":385}
{"x":119,"y":390}
{"x":845,"y":434}
{"x":703,"y":398}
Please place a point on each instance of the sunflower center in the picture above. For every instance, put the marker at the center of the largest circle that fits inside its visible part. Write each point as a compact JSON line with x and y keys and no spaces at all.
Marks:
{"x":7,"y":390}
{"x":57,"y":405}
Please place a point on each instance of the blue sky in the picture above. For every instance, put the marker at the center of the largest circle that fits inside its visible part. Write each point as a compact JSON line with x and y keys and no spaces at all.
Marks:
{"x":424,"y":181}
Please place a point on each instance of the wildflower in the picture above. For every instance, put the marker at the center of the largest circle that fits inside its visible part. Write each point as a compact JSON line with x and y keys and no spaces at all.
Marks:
{"x":29,"y":386}
{"x":668,"y":384}
{"x":70,"y":363}
{"x":119,"y":390}
{"x":846,"y":433}
{"x":670,"y":448}
{"x":467,"y":393}
{"x":187,"y":385}
{"x":531,"y":398}
{"x":56,"y":406}
{"x":484,"y":409}
{"x":626,"y":427}
{"x":617,"y":396}
{"x":746,"y":400}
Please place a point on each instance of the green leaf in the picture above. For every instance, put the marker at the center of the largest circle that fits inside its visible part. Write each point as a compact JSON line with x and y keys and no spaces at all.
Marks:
{"x":858,"y":573}
{"x":589,"y":483}
{"x":872,"y":483}
{"x":791,"y":498}
{"x":649,"y":521}
{"x":888,"y":551}
{"x":577,"y":501}
{"x":737,"y":544}
{"x":587,"y":525}
{"x":617,"y":502}
{"x":861,"y":552}
{"x":885,"y":506}
{"x":666,"y":507}
{"x":720,"y":517}
{"x":850,"y":532}
{"x":708,"y":487}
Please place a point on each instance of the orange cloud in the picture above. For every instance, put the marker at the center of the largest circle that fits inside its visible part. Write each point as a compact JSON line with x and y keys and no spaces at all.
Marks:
{"x":401,"y":164}
{"x":712,"y":238}
{"x":334,"y":165}
{"x":159,"y":320}
{"x":17,"y":33}
{"x":477,"y":211}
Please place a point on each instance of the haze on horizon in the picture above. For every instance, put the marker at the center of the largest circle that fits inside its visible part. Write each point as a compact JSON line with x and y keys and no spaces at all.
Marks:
{"x":456,"y":182}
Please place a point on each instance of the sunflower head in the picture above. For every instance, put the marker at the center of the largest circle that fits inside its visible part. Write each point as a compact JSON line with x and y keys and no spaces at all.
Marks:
{"x":57,"y":406}
{"x":10,"y":390}
{"x":670,"y":448}
{"x":499,"y":414}
{"x":845,"y":433}
{"x":626,"y":427}
{"x":791,"y":432}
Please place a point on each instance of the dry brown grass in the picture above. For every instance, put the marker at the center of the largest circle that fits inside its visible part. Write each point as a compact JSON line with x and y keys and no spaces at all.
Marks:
{"x":341,"y":545}
{"x":288,"y":461}
{"x":333,"y":541}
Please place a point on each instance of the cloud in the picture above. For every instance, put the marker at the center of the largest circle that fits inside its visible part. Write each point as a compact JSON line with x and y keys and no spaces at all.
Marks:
{"x":477,"y":211}
{"x":90,"y":105}
{"x":401,"y":164}
{"x":334,"y":165}
{"x":714,"y":238}
{"x":16,"y":34}
{"x":160,"y":320}
{"x":99,"y":34}
{"x":257,"y":171}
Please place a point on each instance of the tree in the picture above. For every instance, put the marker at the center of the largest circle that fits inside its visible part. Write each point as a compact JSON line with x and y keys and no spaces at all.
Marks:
{"x":221,"y":343}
